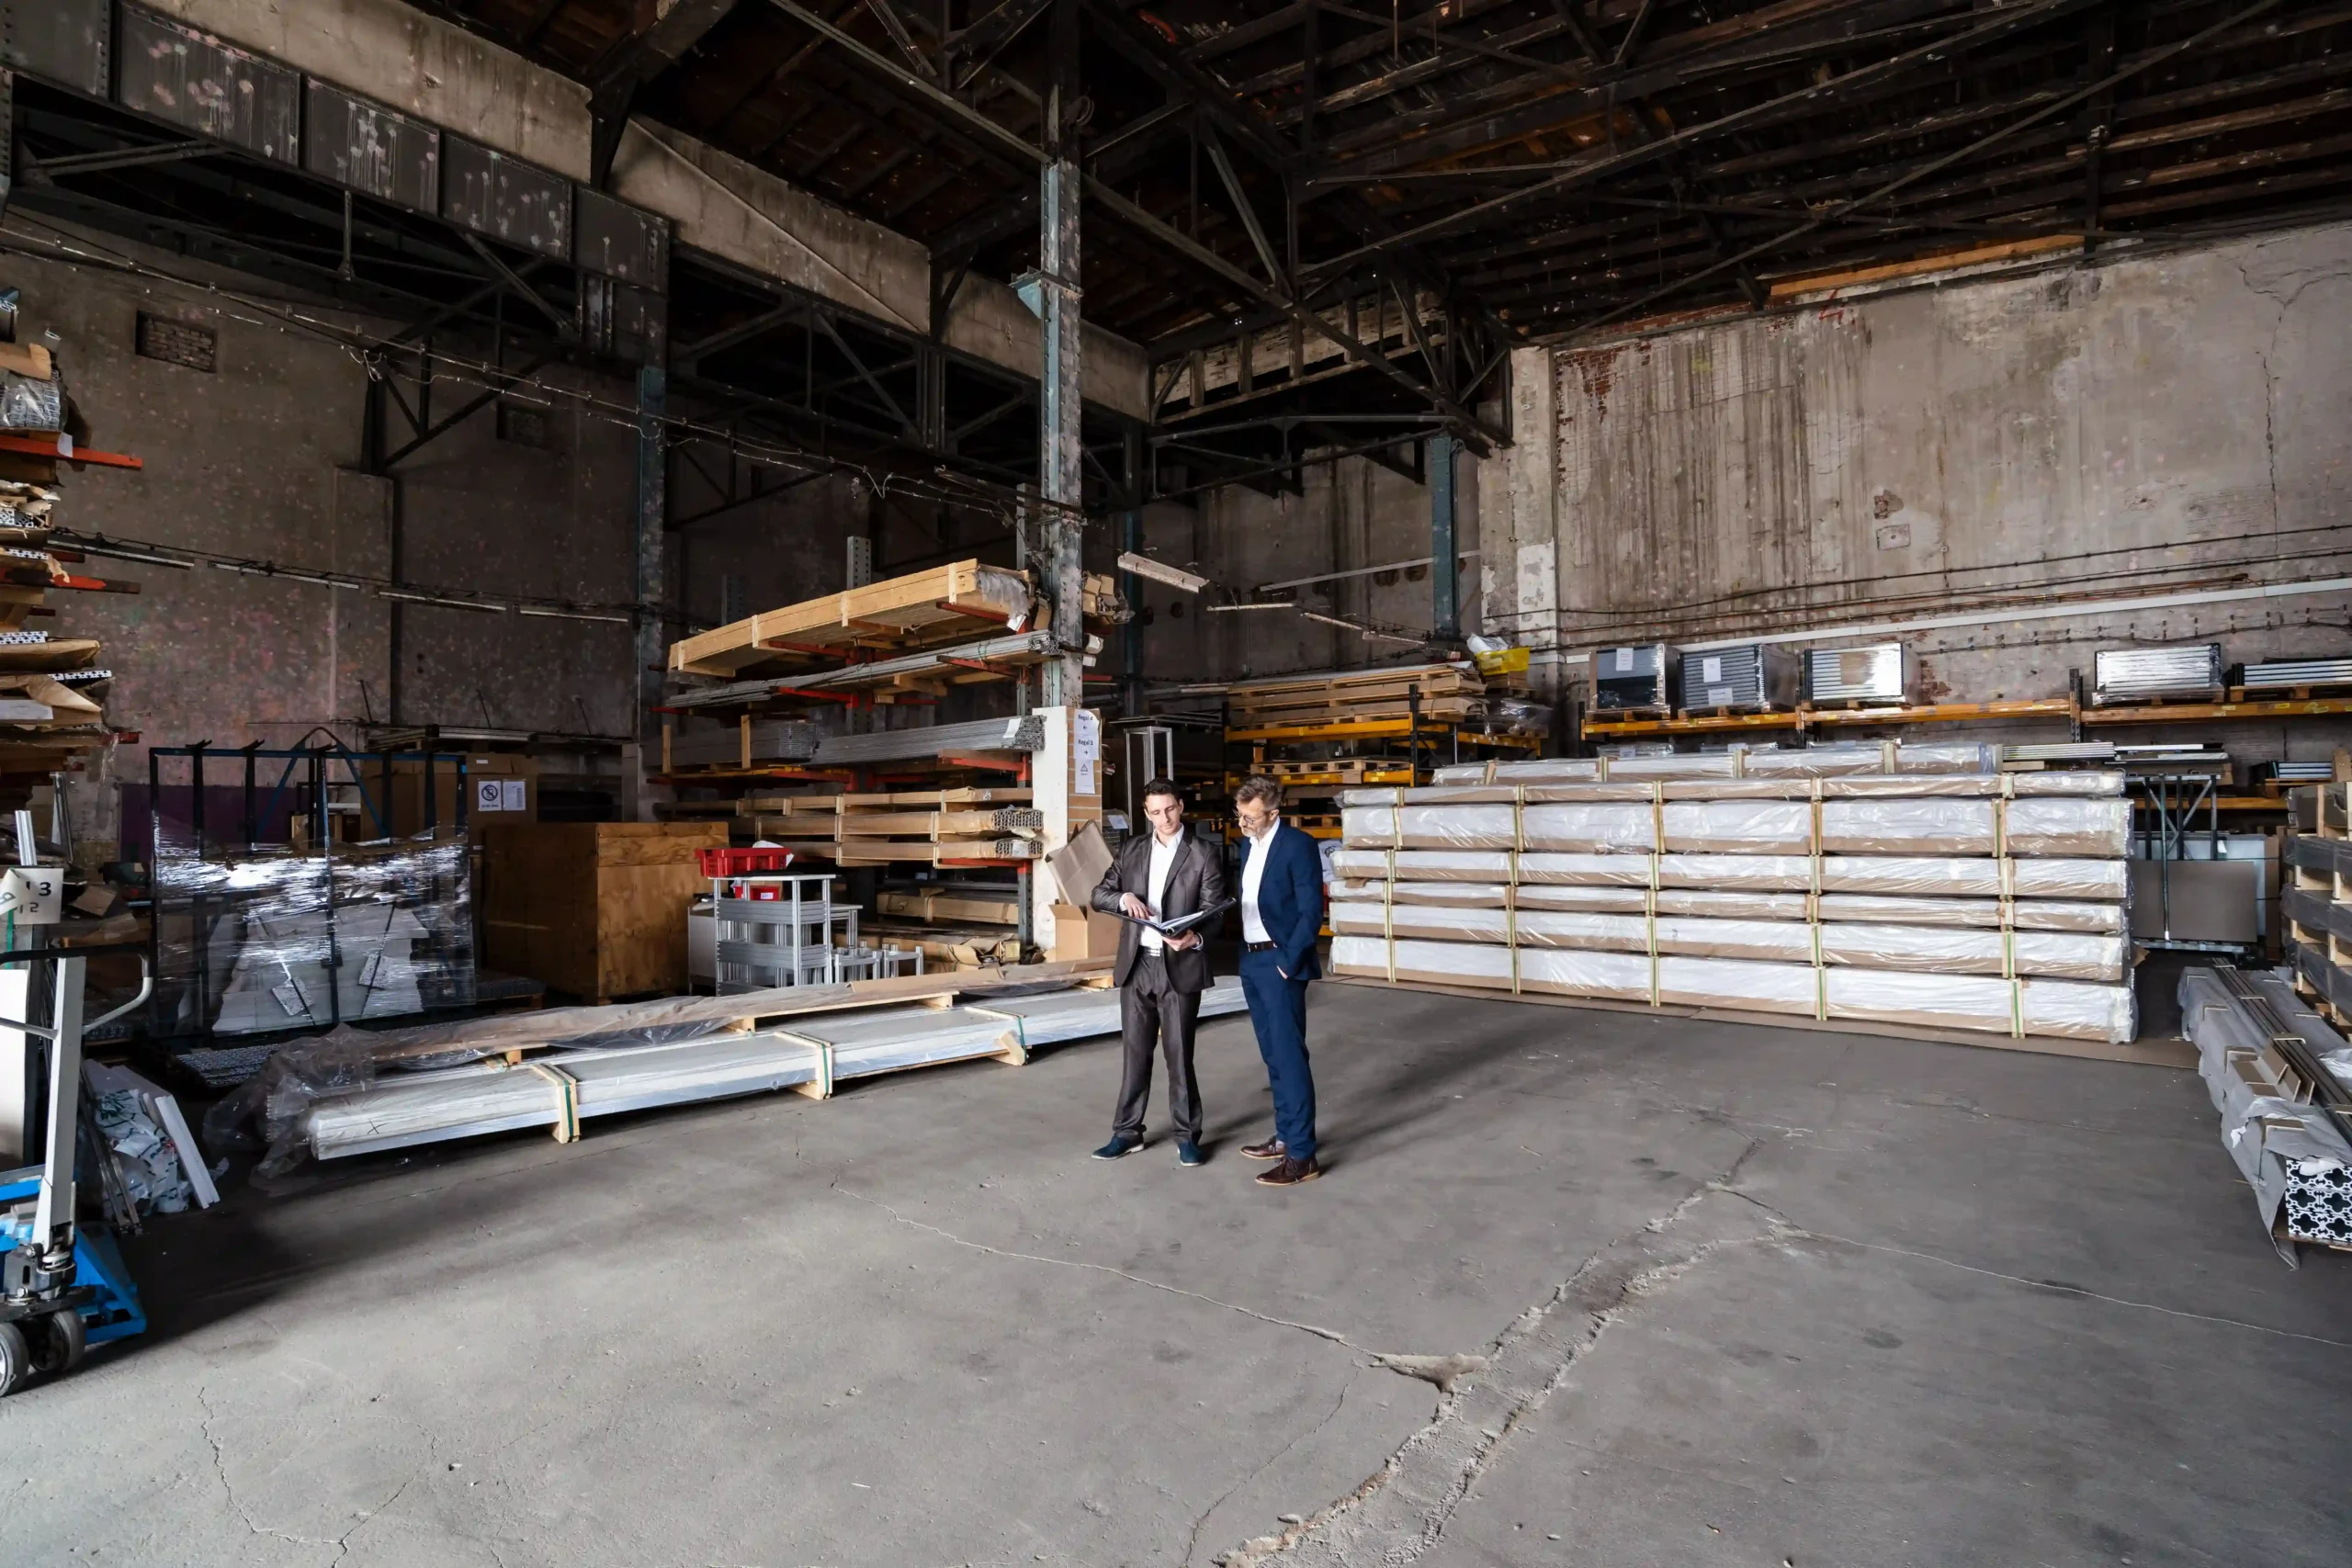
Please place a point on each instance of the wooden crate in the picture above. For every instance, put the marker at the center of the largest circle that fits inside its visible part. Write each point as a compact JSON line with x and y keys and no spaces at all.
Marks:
{"x":596,"y":910}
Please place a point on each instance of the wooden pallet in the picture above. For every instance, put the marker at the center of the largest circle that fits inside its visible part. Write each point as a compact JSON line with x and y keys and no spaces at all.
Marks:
{"x":1728,"y":710}
{"x":2288,"y":694}
{"x":942,"y":851}
{"x":943,"y":604}
{"x":984,"y":821}
{"x":1616,"y":715}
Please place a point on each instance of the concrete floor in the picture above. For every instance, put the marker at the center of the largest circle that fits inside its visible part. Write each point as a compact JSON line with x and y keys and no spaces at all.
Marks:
{"x":1703,"y":1294}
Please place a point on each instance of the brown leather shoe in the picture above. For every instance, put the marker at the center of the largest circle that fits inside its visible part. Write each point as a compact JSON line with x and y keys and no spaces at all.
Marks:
{"x":1270,"y":1150}
{"x":1290,"y":1173}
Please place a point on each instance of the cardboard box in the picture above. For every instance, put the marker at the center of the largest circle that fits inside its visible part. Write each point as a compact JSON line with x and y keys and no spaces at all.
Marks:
{"x":1079,"y":864}
{"x":499,"y":787}
{"x":1083,"y":934}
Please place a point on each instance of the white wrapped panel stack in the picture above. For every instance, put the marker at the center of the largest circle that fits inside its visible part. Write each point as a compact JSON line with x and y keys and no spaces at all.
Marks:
{"x":1940,"y":895}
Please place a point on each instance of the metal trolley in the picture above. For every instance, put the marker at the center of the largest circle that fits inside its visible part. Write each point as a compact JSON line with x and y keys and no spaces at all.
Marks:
{"x":63,"y":1286}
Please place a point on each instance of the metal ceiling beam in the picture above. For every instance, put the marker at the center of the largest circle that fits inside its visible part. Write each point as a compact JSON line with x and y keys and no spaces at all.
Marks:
{"x":2025,"y":14}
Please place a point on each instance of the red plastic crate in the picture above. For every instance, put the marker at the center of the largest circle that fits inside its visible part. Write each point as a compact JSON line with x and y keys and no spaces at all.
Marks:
{"x":742,"y":862}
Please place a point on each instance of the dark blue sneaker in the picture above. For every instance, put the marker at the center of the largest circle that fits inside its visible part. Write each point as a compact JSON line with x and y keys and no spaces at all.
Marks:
{"x":1118,"y":1148}
{"x":1188,"y":1152}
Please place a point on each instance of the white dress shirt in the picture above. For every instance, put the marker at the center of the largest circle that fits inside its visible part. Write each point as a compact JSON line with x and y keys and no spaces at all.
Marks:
{"x":1253,"y":874}
{"x":1163,"y":860}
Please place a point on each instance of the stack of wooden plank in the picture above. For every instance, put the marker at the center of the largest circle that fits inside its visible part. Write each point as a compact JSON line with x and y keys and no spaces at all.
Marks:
{"x":807,"y":823}
{"x":1445,"y":693}
{"x":954,"y":603}
{"x":2316,"y":897}
{"x":50,"y":689}
{"x":937,"y":827}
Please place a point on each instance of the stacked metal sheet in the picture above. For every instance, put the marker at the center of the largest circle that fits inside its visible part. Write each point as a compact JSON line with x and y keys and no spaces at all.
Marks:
{"x":1962,"y":901}
{"x":1751,"y":677}
{"x":1879,"y":673}
{"x":2144,"y":674}
{"x":2290,"y":674}
{"x":1627,"y":679}
{"x":1845,"y":760}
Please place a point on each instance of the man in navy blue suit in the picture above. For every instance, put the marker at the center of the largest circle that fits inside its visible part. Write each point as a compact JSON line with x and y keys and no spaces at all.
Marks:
{"x":1281,"y":912}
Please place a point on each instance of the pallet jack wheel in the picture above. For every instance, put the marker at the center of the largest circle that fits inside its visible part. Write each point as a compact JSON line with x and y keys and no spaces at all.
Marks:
{"x":15,"y":1359}
{"x":58,"y":1341}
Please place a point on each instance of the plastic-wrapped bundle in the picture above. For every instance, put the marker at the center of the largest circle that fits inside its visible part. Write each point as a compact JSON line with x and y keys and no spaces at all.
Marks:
{"x":2024,"y":914}
{"x":1814,"y":761}
{"x":2062,"y":1009}
{"x":1918,"y":949}
{"x":1877,"y":787}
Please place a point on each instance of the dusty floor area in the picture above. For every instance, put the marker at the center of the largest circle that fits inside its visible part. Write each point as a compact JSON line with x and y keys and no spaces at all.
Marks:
{"x":1699,"y":1294}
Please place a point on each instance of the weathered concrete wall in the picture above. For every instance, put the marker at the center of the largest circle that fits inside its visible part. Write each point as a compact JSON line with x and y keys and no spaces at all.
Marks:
{"x":2167,"y":420}
{"x":1352,"y":515}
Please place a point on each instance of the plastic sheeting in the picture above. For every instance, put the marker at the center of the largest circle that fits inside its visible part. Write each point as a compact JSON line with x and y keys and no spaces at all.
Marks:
{"x":2096,"y":881}
{"x":277,"y":939}
{"x":2075,"y":784}
{"x":1814,"y":761}
{"x":2058,"y":1008}
{"x":2057,"y":826}
{"x":1918,"y":949}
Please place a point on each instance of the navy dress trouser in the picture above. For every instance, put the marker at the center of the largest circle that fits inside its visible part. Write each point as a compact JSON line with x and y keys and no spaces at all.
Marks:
{"x":1278,"y":1010}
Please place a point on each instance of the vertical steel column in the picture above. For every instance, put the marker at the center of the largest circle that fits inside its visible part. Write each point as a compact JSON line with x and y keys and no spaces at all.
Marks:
{"x":1062,"y":472}
{"x":1130,"y":585}
{"x":1445,"y":587}
{"x":651,"y":647}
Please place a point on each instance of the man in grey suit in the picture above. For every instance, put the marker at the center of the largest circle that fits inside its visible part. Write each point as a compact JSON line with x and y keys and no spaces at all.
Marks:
{"x":1162,"y":875}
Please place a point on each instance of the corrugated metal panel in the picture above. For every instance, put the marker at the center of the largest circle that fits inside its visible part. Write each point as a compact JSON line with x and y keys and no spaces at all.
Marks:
{"x":372,"y":149}
{"x":64,"y":41}
{"x":491,"y":194}
{"x":2289,"y":672}
{"x":620,"y":241}
{"x":1752,"y":675}
{"x":1880,"y":673}
{"x":2122,"y":673}
{"x":215,"y":89}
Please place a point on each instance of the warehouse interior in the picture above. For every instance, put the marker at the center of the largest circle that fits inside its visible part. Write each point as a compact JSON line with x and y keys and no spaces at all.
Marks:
{"x":597,"y":591}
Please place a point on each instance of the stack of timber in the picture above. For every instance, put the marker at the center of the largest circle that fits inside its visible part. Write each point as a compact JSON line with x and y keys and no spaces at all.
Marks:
{"x":52,"y":689}
{"x":937,"y":827}
{"x":806,"y":823}
{"x":2316,"y":897}
{"x":961,"y":602}
{"x":1439,"y":693}
{"x":1989,"y":902}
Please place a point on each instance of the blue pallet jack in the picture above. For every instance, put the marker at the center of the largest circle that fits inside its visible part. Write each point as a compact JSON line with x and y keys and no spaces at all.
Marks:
{"x":63,"y":1286}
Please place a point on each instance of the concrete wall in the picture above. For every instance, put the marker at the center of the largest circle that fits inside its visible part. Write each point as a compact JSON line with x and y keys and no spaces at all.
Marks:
{"x":1353,"y":514}
{"x":2167,"y":420}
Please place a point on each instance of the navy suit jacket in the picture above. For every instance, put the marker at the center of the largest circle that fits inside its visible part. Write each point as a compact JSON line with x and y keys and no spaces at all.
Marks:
{"x":1290,"y":899}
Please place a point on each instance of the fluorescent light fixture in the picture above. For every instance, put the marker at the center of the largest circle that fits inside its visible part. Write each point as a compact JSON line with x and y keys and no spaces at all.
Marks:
{"x":1160,"y":572}
{"x":291,"y":574}
{"x":1228,"y":609}
{"x":545,"y":613}
{"x":1367,"y":631}
{"x":436,"y":599}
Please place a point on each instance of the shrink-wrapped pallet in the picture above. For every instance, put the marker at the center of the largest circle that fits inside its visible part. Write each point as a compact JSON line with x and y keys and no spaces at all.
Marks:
{"x":2059,"y":1008}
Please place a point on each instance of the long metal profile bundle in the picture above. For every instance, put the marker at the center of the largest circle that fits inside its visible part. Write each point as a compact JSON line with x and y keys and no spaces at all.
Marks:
{"x":2274,"y":1068}
{"x":1021,"y":734}
{"x":1027,"y":647}
{"x":562,"y":1089}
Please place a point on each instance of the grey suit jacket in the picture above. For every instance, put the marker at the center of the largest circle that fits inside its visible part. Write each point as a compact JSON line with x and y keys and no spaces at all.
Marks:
{"x":1195,"y":882}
